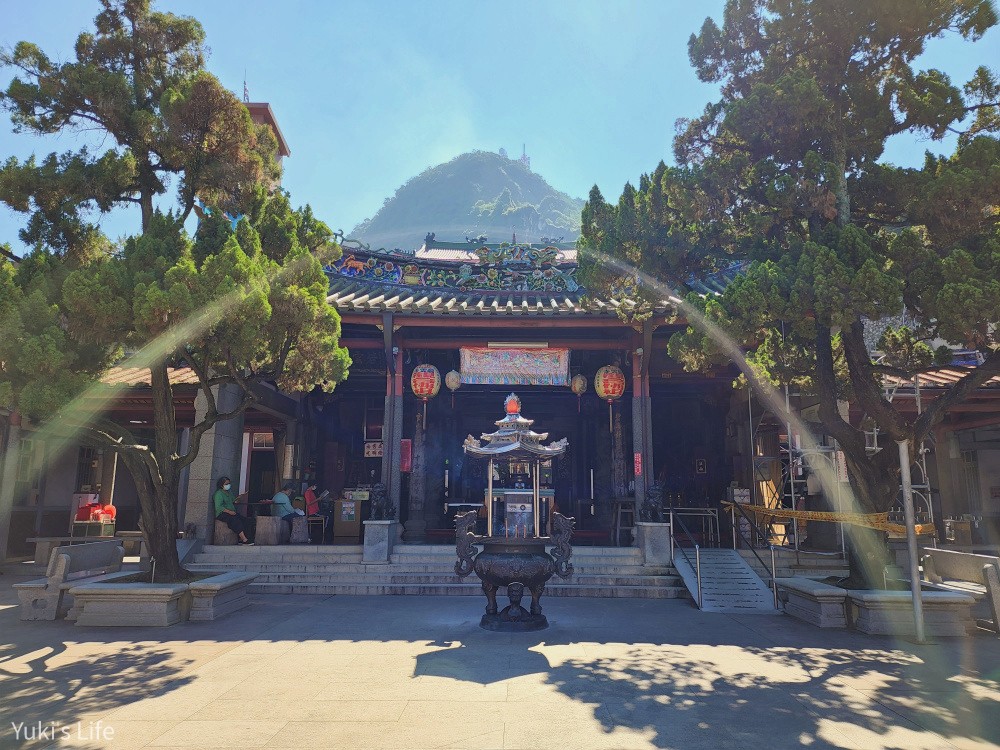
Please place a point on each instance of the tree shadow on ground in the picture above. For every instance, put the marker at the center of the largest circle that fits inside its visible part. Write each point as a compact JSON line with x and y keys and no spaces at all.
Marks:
{"x":780,"y":696}
{"x":817,"y":693}
{"x":51,"y":684}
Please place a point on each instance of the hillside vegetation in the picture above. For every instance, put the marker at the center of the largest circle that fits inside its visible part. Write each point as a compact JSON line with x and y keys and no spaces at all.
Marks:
{"x":478,"y":193}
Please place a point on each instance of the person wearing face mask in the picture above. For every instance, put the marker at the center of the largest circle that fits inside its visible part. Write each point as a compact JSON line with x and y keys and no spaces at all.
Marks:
{"x":225,"y":509}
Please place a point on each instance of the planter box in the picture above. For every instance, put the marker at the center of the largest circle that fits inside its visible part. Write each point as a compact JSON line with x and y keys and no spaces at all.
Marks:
{"x":891,"y":613}
{"x":379,"y":539}
{"x":654,"y":541}
{"x":812,"y":601}
{"x":160,"y":604}
{"x":130,"y":604}
{"x":219,"y":595}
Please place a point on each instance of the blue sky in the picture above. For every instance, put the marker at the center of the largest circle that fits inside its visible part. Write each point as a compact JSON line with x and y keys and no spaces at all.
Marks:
{"x":368,"y":94}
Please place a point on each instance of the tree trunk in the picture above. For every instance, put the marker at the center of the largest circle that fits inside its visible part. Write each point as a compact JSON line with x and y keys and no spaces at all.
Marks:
{"x":158,"y":502}
{"x":875,"y":488}
{"x":161,"y":534}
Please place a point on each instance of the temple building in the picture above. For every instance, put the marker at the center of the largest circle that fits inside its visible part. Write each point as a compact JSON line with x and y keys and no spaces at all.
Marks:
{"x":439,"y":337}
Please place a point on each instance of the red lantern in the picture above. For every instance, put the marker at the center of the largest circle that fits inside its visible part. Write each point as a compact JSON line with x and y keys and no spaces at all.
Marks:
{"x":609,"y":382}
{"x":579,"y":386}
{"x":425,"y":382}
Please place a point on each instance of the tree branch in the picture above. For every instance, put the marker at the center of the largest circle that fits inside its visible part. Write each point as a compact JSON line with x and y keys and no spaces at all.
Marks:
{"x":937,"y":409}
{"x":867,"y":391}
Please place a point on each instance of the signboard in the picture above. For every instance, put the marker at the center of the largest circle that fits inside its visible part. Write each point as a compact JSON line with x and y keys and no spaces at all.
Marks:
{"x":637,"y":468}
{"x":348,"y":511}
{"x":373,"y":450}
{"x":519,"y":519}
{"x":700,"y":466}
{"x":841,"y":467}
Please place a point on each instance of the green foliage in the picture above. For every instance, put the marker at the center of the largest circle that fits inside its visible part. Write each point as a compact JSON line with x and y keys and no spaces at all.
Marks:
{"x":238,"y":306}
{"x":139,"y":78}
{"x":781,"y":174}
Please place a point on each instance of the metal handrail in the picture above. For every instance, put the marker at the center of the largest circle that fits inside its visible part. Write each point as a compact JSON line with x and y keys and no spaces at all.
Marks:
{"x":737,"y":530}
{"x":697,"y":551}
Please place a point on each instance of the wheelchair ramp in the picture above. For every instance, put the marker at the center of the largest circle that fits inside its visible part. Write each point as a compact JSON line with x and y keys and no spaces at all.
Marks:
{"x":728,"y":583}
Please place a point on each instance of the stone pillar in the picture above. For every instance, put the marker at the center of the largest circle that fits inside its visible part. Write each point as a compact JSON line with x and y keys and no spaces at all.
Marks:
{"x":219,"y":455}
{"x":638,"y":432}
{"x":391,"y":437}
{"x":109,"y":469}
{"x":618,"y":480}
{"x":8,"y":480}
{"x":183,"y":443}
{"x":416,"y":524}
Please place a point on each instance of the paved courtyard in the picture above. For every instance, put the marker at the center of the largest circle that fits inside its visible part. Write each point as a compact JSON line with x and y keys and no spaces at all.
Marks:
{"x":411,"y":673}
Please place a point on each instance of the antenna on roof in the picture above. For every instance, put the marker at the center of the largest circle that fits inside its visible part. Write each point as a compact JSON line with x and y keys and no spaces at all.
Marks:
{"x":246,"y":91}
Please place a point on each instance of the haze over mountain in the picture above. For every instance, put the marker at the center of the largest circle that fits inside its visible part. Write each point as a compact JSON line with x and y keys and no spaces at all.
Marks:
{"x":479,"y":193}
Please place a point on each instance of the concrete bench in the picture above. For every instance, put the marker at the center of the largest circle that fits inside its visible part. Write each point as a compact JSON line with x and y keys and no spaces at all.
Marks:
{"x":45,"y":544}
{"x":224,"y":536}
{"x":271,"y":531}
{"x":966,"y":573}
{"x":219,"y":595}
{"x":43,"y":598}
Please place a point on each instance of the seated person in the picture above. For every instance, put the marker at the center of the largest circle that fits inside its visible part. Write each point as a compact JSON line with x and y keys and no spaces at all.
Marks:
{"x":312,"y":502}
{"x":281,"y":504}
{"x":225,"y":509}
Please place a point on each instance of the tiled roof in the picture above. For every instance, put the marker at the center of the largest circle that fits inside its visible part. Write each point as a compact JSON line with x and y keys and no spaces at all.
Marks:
{"x":944,"y":377}
{"x":352,"y":295}
{"x":130,"y":376}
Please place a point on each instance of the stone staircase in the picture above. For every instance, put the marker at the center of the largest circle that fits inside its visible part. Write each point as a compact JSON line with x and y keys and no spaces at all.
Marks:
{"x":728,"y":584}
{"x":429,"y":570}
{"x":787,"y":564}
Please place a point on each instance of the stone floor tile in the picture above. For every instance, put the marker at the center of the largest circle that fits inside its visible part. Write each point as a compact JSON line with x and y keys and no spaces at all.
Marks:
{"x":219,"y":733}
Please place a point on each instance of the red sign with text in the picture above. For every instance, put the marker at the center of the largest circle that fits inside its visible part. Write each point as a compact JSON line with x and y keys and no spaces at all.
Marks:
{"x":638,"y":464}
{"x":406,"y":455}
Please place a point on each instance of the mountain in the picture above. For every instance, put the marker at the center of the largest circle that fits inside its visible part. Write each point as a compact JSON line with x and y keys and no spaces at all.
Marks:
{"x":478,"y":193}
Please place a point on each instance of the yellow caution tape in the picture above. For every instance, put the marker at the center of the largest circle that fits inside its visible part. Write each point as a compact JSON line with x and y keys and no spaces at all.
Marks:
{"x":877,"y":521}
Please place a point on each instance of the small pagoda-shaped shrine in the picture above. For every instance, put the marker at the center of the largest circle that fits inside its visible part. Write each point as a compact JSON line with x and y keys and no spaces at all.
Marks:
{"x":514,"y":439}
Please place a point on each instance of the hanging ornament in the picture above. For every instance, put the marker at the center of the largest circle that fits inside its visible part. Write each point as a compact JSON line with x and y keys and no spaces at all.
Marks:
{"x":609,"y":382}
{"x":425,"y":382}
{"x":579,"y":386}
{"x":454,"y":381}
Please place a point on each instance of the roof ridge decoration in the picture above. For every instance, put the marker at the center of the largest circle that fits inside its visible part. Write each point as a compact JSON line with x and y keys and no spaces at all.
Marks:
{"x":508,"y":267}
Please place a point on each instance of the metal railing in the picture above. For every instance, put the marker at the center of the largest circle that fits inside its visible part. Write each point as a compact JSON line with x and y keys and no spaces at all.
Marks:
{"x":697,"y":551}
{"x":760,"y":534}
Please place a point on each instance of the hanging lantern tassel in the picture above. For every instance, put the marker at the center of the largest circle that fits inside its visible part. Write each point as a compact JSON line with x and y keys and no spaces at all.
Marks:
{"x":425,"y":382}
{"x":609,"y":382}
{"x":579,"y":386}
{"x":453,"y":380}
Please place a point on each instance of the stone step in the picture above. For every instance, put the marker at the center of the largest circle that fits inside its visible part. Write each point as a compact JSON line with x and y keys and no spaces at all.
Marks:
{"x":204,"y":562}
{"x":466,"y":589}
{"x":371,"y":578}
{"x":437,"y":551}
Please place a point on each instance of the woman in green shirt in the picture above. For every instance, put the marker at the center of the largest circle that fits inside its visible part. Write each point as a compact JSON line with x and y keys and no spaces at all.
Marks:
{"x":225,"y":509}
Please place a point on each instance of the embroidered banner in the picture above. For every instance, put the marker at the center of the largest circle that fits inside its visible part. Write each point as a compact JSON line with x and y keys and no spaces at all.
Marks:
{"x":485,"y":366}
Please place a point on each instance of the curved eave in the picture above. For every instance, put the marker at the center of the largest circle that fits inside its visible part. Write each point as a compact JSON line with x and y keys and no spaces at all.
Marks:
{"x":515,"y":449}
{"x":353,"y":296}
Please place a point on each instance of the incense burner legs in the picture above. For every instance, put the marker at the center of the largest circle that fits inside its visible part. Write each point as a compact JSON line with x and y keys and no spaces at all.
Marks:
{"x":518,"y":565}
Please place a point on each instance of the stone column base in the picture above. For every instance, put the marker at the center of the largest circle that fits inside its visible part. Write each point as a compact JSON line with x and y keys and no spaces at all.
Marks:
{"x":379,"y":539}
{"x":654,"y":541}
